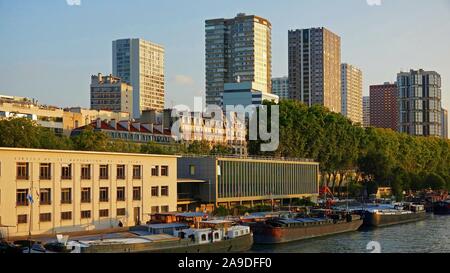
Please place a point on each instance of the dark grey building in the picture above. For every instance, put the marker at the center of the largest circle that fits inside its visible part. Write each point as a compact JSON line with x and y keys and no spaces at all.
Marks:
{"x":231,"y":181}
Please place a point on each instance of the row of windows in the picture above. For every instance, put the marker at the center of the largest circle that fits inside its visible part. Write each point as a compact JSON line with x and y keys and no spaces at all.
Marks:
{"x":23,"y":171}
{"x":85,"y":214}
{"x":44,"y":195}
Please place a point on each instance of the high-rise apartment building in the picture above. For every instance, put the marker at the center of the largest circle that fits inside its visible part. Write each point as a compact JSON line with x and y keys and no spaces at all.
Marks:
{"x":444,"y":123}
{"x":366,"y":111}
{"x":420,"y":103}
{"x":237,"y":50}
{"x":280,"y":87}
{"x":383,"y":106}
{"x":352,"y":81}
{"x":141,"y":63}
{"x":315,"y":67}
{"x":111,"y":93}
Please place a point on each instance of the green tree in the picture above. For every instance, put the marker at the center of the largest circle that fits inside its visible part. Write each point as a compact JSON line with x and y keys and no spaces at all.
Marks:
{"x":91,"y":140}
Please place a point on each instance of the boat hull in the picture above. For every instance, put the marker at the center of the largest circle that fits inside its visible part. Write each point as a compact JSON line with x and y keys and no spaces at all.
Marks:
{"x":235,"y":245}
{"x":383,"y":220}
{"x":441,"y":208}
{"x":265,"y":234}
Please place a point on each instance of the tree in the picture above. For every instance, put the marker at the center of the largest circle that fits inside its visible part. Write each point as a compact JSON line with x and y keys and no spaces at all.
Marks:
{"x":91,"y":140}
{"x":199,"y":147}
{"x":435,"y":182}
{"x":19,"y":133}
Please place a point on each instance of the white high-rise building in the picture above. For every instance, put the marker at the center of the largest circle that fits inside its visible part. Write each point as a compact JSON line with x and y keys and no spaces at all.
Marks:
{"x":351,"y":93}
{"x":141,"y":63}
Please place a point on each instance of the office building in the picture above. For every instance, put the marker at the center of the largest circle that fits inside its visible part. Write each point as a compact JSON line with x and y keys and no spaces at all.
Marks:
{"x":237,"y":50}
{"x":315,"y":67}
{"x":420,"y":103}
{"x":111,"y":94}
{"x":280,"y":87}
{"x":233,"y":181}
{"x":352,"y":89}
{"x":51,"y":192}
{"x":141,"y":64}
{"x":245,"y":94}
{"x":366,"y":111}
{"x":384,"y":106}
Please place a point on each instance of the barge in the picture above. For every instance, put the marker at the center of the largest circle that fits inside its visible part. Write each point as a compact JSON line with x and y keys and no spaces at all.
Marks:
{"x":387,"y":217}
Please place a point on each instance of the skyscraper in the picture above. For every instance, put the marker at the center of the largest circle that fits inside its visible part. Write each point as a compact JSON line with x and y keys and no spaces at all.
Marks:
{"x":111,"y":93}
{"x":444,"y":123}
{"x":420,"y":103}
{"x":366,"y":111}
{"x":141,"y":63}
{"x":383,"y":106}
{"x":280,"y":87}
{"x":315,"y":67}
{"x":237,"y":50}
{"x":352,"y":90}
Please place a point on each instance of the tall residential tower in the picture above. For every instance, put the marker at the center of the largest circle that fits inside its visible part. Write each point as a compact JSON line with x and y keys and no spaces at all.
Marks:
{"x":383,"y":106}
{"x":141,"y":63}
{"x":420,"y":103}
{"x":366,"y":111}
{"x":280,"y":87}
{"x":238,"y":50}
{"x":352,"y":89}
{"x":315,"y":67}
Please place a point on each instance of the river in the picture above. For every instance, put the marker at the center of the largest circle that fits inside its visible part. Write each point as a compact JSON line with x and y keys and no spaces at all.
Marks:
{"x":429,"y":236}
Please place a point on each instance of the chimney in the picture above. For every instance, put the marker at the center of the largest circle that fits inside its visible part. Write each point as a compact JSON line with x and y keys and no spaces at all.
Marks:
{"x":98,"y":124}
{"x":100,"y":77}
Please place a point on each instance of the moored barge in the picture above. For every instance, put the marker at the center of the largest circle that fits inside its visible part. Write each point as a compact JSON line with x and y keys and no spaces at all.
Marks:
{"x":388,"y":217}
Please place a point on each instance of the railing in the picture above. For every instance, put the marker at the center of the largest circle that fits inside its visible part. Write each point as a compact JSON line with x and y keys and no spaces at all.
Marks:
{"x":268,"y":158}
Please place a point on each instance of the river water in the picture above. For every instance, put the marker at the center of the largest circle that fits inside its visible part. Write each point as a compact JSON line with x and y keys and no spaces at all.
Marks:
{"x":429,"y":236}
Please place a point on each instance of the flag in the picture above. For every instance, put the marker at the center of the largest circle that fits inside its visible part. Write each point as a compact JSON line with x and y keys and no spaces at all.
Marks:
{"x":30,"y":198}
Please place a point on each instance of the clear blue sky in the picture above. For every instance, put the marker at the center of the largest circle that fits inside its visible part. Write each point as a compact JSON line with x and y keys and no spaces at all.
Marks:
{"x":49,"y":49}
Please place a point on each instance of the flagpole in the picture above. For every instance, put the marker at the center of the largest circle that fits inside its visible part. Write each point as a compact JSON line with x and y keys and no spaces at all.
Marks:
{"x":31,"y":219}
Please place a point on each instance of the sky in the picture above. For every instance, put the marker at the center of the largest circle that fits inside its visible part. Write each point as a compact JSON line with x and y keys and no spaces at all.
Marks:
{"x":50,"y":48}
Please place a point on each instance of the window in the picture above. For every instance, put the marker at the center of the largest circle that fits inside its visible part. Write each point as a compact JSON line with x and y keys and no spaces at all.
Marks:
{"x":22,"y":219}
{"x":85,"y":172}
{"x":121,"y":172}
{"x":45,"y":171}
{"x":85,"y":214}
{"x":21,"y":198}
{"x":192,"y":169}
{"x":164,"y":208}
{"x":155,"y":209}
{"x":103,"y":171}
{"x":121,"y":194}
{"x":164,"y":170}
{"x":67,"y":215}
{"x":45,"y":197}
{"x":66,"y":196}
{"x":22,"y":171}
{"x":45,"y":217}
{"x":137,"y":172}
{"x":155,"y":191}
{"x":104,"y":194}
{"x":86,"y":195}
{"x":66,"y":171}
{"x":155,"y":170}
{"x":165,"y":191}
{"x":136,"y":193}
{"x":103,"y":213}
{"x":121,"y":212}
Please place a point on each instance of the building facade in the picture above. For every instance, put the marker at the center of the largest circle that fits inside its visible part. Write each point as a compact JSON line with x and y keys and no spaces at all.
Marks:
{"x":245,"y":94}
{"x":48,"y":192}
{"x":237,"y":50}
{"x":384,"y":106}
{"x":111,"y":94}
{"x":366,"y":111}
{"x":444,"y":123}
{"x":196,"y":126}
{"x":315,"y":67}
{"x":280,"y":87}
{"x":352,"y":89}
{"x":141,"y":64}
{"x":420,"y":103}
{"x":228,"y":181}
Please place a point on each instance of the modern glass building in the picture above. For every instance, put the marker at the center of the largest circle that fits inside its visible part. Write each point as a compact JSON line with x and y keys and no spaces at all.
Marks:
{"x":231,"y":181}
{"x":420,"y":103}
{"x":280,"y":87}
{"x":237,"y":50}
